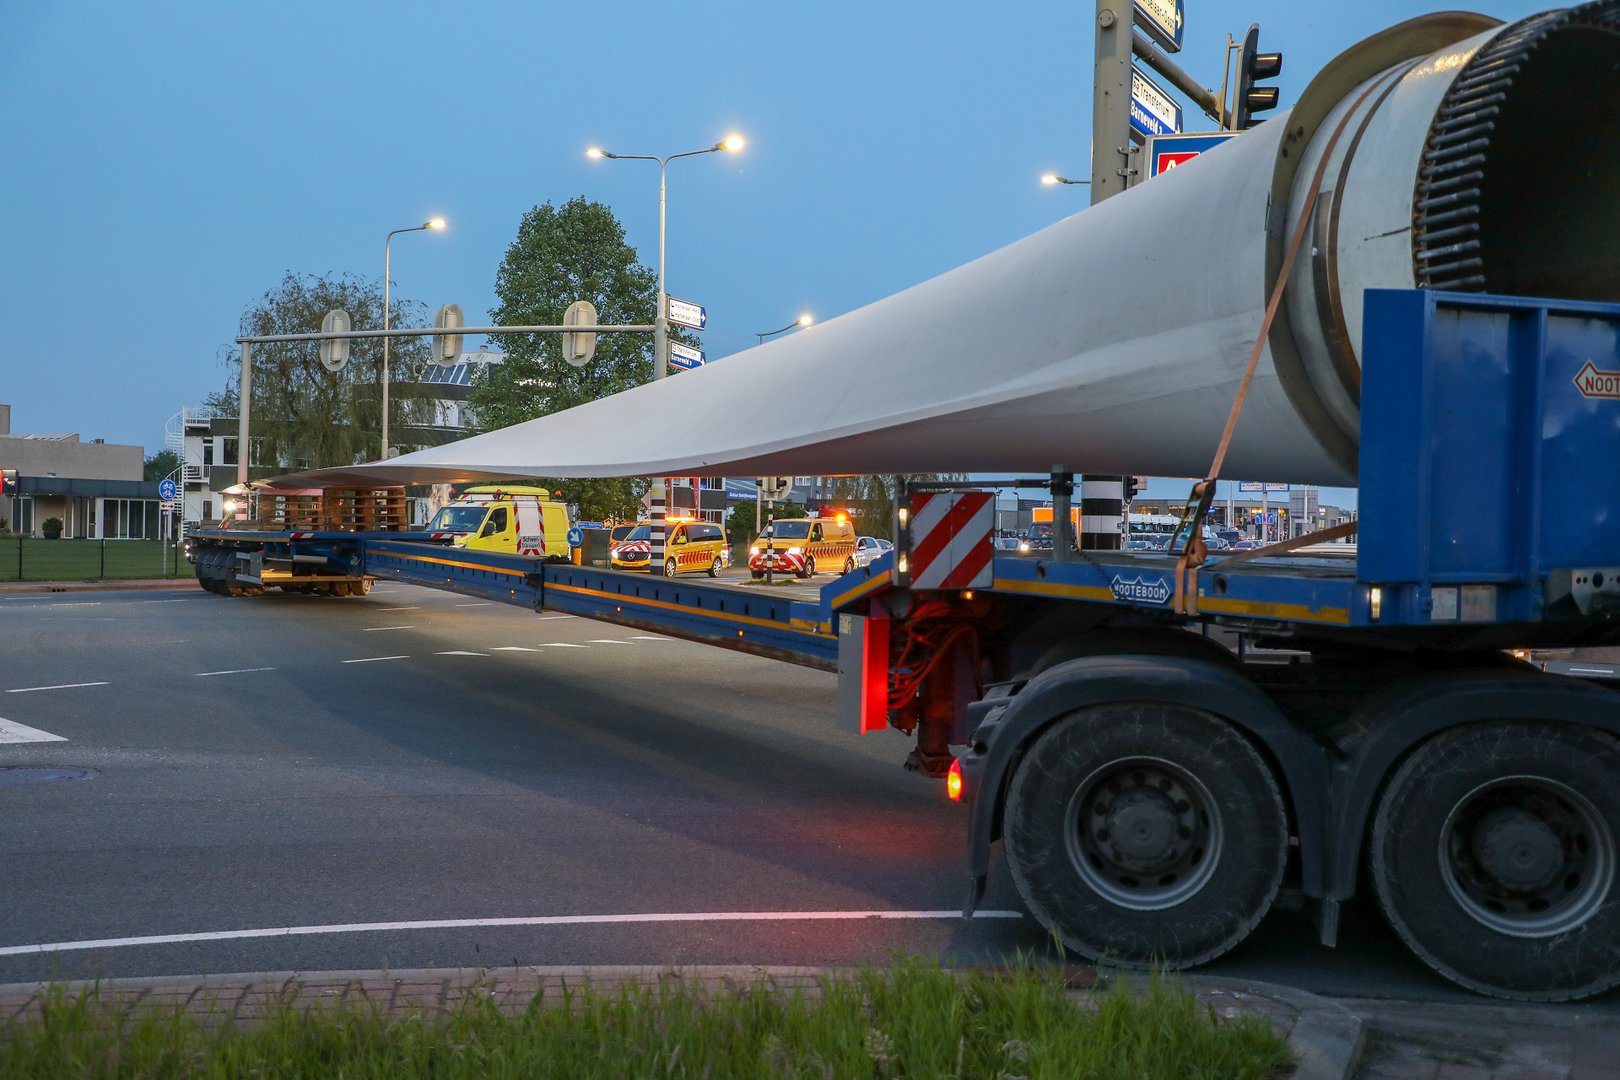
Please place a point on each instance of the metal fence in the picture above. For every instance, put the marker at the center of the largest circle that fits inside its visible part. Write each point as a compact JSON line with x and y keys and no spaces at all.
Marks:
{"x":28,"y":558}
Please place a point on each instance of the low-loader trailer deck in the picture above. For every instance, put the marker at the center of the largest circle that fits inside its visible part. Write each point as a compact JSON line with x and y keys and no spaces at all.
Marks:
{"x":1154,"y":788}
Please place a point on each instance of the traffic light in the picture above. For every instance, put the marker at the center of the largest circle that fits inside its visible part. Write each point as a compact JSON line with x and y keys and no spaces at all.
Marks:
{"x":1252,"y":66}
{"x":1133,"y":485}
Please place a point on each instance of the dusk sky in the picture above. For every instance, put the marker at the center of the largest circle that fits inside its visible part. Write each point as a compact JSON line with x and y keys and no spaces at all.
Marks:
{"x":168,"y":162}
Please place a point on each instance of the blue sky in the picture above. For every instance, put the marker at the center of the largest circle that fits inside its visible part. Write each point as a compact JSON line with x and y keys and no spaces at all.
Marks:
{"x":167,"y":162}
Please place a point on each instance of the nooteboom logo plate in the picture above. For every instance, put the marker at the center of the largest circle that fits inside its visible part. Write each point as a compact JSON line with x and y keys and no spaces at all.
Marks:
{"x":1151,"y":590}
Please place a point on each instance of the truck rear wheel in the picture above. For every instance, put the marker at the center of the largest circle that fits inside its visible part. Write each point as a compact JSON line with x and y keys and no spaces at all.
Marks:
{"x":1494,"y":857}
{"x":1145,"y":834}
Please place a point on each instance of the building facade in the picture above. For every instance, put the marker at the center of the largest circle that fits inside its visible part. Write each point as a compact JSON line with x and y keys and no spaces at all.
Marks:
{"x":95,"y":489}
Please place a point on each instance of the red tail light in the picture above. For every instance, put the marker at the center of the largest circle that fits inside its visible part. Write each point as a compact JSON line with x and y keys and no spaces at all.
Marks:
{"x":953,"y":782}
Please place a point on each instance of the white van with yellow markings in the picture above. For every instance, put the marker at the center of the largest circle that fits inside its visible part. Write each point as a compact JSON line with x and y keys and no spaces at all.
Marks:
{"x":516,"y":519}
{"x":803,"y":546}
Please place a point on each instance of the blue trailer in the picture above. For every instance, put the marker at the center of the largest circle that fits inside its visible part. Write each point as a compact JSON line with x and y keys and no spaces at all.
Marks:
{"x":1153,"y":780}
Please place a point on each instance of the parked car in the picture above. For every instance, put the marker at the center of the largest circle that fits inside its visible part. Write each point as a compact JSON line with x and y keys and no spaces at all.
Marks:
{"x":1246,"y":545}
{"x":868,"y":548}
{"x":1005,"y":543}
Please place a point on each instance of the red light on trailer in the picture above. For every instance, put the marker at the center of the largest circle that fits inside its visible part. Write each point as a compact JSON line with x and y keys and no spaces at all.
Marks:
{"x":953,"y":781}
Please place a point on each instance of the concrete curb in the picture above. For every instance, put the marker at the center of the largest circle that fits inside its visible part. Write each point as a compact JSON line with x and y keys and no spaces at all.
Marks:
{"x":96,"y":586}
{"x":1325,"y":1038}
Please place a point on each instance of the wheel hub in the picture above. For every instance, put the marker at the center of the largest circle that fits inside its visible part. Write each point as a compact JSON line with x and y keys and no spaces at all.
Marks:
{"x":1145,"y":833}
{"x":1518,"y":850}
{"x":1142,"y":828}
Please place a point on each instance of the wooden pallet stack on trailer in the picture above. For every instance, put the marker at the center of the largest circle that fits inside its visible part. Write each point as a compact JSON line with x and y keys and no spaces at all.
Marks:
{"x":365,"y":509}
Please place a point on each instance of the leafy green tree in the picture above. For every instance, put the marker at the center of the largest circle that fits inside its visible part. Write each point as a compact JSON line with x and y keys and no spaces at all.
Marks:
{"x":575,"y":251}
{"x":160,"y":465}
{"x":304,"y":416}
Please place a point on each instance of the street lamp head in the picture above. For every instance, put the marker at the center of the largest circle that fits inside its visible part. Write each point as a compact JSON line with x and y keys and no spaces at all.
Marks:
{"x":1050,"y":178}
{"x":596,"y":152}
{"x":434,"y":223}
{"x":805,"y":319}
{"x":732,"y":142}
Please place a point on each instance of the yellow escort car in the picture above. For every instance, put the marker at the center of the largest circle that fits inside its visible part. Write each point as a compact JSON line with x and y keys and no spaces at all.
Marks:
{"x":513,"y":518}
{"x":801,"y":546}
{"x":689,"y":547}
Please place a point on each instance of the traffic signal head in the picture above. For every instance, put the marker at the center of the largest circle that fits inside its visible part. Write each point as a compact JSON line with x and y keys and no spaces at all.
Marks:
{"x":1133,"y":487}
{"x":1254,"y":65}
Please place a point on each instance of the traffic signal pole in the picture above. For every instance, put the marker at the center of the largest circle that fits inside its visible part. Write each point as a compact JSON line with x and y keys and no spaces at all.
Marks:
{"x":1102,"y":498}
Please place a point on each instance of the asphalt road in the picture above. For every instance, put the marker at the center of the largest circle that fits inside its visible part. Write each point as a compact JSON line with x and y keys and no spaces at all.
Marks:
{"x":417,"y":779}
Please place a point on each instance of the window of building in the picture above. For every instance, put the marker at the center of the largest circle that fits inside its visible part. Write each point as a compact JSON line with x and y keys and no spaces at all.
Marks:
{"x":22,"y":513}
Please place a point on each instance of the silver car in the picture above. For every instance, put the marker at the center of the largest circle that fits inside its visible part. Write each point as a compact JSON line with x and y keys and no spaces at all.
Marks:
{"x":868,"y":548}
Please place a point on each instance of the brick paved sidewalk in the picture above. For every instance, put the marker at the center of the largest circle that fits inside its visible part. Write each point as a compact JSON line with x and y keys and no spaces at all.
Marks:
{"x":1416,"y":1041}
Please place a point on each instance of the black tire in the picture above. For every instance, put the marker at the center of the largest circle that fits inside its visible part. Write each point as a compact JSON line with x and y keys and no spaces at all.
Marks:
{"x":670,"y":568}
{"x":1209,"y":828}
{"x":1494,"y":857}
{"x":809,"y":568}
{"x":714,"y":567}
{"x":757,"y":575}
{"x":849,"y":566}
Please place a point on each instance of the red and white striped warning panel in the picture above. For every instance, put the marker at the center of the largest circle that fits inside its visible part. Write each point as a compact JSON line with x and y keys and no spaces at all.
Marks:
{"x":950,"y":540}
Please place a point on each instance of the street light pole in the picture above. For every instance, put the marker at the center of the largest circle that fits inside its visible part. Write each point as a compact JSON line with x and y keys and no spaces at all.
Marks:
{"x":802,"y":320}
{"x":661,"y":319}
{"x":388,"y":255}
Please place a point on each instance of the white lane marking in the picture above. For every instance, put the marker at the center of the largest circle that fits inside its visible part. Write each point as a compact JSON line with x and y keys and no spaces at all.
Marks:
{"x":13,"y":732}
{"x":369,"y":629}
{"x":408,"y":607}
{"x":1591,"y":671}
{"x":59,"y":686}
{"x":374,"y":659}
{"x":180,"y":600}
{"x":538,"y":920}
{"x":650,"y":637}
{"x":460,"y":652}
{"x":481,"y":603}
{"x":607,"y":641}
{"x":545,"y":617}
{"x":562,"y":645}
{"x":234,"y":671}
{"x":76,"y":603}
{"x":170,"y":641}
{"x":514,"y":648}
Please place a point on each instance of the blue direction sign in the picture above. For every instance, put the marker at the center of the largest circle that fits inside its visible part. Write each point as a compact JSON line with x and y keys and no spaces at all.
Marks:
{"x":685,"y":313}
{"x":167,"y":490}
{"x":684,"y":356}
{"x":1162,"y":20}
{"x":576,"y":536}
{"x":1153,"y":110}
{"x":1165,"y":152}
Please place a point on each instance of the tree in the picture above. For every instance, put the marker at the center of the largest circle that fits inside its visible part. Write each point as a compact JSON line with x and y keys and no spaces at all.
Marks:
{"x":576,"y":251}
{"x":304,"y":416}
{"x":161,"y":465}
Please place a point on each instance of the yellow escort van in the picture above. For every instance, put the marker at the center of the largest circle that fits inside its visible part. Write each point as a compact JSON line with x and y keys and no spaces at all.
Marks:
{"x":689,"y":547}
{"x":801,"y":546}
{"x":513,"y":518}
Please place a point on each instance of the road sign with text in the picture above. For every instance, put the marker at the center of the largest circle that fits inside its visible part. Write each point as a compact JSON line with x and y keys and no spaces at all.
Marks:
{"x":685,"y":313}
{"x":1153,"y":110}
{"x":1165,"y":152}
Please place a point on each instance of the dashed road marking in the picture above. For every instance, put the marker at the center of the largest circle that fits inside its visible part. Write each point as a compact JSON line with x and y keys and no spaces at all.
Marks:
{"x":563,"y":645}
{"x":408,"y":607}
{"x":234,"y":671}
{"x":543,"y":618}
{"x":374,"y":659}
{"x":372,"y":629}
{"x":13,"y":732}
{"x":536,"y":920}
{"x":514,"y":648}
{"x":59,"y":686}
{"x":177,"y":600}
{"x":460,"y":652}
{"x":481,"y":603}
{"x":607,"y":641}
{"x":650,"y":637}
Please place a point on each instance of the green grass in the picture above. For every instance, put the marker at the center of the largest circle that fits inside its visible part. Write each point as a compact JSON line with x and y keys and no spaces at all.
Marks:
{"x":912,"y":1020}
{"x":32,"y":559}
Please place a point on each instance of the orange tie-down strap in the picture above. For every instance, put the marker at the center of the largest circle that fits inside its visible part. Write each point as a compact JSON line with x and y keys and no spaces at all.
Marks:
{"x":1186,"y":601}
{"x":1186,"y":592}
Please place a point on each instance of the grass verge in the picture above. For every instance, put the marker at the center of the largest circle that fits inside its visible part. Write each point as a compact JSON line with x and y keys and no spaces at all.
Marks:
{"x":909,"y":1020}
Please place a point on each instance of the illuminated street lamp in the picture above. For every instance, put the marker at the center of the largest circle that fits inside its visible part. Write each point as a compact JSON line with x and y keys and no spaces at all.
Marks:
{"x":434,"y":224}
{"x":661,"y":322}
{"x":802,"y":320}
{"x":1054,"y":178}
